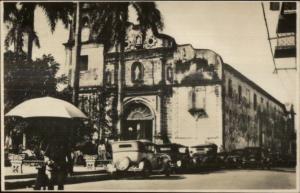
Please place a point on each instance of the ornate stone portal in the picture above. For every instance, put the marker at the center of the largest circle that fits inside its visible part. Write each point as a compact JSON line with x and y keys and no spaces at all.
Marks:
{"x":137,"y":122}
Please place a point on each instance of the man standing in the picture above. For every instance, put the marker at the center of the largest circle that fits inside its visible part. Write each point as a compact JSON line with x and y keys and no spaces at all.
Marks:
{"x":102,"y":151}
{"x":57,"y":153}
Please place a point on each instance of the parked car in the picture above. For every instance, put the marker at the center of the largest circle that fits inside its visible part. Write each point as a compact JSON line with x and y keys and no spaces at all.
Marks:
{"x":291,"y":161}
{"x":235,"y":158}
{"x":284,"y":160}
{"x":178,"y":153}
{"x":222,"y":156}
{"x":204,"y":156}
{"x":256,"y":157}
{"x":138,"y":156}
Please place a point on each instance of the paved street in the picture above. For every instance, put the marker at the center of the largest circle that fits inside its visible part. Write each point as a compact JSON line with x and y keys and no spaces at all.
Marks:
{"x":223,"y":179}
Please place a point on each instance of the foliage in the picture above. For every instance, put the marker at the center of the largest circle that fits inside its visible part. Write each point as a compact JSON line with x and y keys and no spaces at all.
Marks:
{"x":21,"y":21}
{"x":110,"y":20}
{"x":95,"y":105}
{"x":24,"y":79}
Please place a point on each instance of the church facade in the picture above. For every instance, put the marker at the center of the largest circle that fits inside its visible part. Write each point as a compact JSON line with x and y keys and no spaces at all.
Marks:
{"x":175,"y":93}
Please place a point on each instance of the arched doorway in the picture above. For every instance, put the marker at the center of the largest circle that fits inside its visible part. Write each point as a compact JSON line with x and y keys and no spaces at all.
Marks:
{"x":137,"y":122}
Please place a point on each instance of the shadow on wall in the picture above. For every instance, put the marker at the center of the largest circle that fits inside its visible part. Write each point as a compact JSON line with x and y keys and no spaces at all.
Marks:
{"x":195,"y":71}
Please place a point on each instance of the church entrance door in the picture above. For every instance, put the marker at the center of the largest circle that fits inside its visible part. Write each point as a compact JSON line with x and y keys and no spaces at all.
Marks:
{"x":137,"y":122}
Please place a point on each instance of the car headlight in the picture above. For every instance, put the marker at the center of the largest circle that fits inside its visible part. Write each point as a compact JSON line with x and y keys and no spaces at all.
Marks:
{"x":110,"y":167}
{"x":123,"y":164}
{"x":194,"y":160}
{"x":141,"y":165}
{"x":179,"y":163}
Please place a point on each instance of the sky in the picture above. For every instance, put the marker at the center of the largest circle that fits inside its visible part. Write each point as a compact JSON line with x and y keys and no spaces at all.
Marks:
{"x":235,"y":30}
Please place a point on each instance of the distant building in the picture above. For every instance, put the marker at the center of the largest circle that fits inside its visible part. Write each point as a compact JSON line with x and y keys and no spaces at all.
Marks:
{"x":176,"y":93}
{"x":281,"y":24}
{"x":286,"y":29}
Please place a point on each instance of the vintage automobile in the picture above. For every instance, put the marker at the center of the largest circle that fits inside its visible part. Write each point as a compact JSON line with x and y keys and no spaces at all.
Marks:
{"x":283,"y":160}
{"x":204,"y":156}
{"x":138,"y":156}
{"x":178,"y":153}
{"x":222,"y":156}
{"x":256,"y":157}
{"x":235,"y":158}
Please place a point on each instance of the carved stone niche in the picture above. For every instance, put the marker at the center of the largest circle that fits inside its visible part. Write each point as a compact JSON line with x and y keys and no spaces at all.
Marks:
{"x":197,"y":103}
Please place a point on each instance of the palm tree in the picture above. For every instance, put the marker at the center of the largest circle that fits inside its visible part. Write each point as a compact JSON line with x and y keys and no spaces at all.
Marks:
{"x":21,"y":20}
{"x":77,"y":46}
{"x":110,"y":22}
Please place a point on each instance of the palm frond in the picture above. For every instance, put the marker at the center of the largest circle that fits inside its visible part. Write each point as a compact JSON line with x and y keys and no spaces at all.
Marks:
{"x":9,"y":9}
{"x":10,"y":37}
{"x":36,"y":39}
{"x":57,"y":11}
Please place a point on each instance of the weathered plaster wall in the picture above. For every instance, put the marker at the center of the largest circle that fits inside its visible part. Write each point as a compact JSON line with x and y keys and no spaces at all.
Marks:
{"x":94,"y":75}
{"x":192,"y":130}
{"x":245,"y":125}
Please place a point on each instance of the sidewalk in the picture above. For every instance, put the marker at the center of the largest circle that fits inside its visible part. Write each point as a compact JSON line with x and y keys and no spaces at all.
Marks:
{"x":28,"y":177}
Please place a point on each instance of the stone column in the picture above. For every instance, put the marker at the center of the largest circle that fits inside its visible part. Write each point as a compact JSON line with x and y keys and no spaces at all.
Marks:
{"x":163,"y":116}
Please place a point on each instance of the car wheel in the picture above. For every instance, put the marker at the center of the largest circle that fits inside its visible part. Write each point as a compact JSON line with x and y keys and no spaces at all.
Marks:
{"x":146,"y":170}
{"x":123,"y":164}
{"x":168,"y":169}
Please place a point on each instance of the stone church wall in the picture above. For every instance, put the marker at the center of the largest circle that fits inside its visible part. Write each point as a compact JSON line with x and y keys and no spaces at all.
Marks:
{"x":194,"y":129}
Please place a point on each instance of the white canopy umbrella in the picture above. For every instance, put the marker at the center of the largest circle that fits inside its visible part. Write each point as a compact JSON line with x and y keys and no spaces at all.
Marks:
{"x":46,"y":107}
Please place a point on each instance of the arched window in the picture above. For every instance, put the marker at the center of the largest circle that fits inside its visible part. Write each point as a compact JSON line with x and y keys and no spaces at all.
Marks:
{"x":137,"y":72}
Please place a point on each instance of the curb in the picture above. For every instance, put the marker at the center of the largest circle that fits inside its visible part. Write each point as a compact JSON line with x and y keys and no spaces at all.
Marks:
{"x":28,"y":183}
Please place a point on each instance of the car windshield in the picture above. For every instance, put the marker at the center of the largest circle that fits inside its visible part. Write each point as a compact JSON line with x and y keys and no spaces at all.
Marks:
{"x":164,"y":148}
{"x":203,"y":150}
{"x":124,"y":146}
{"x":237,"y":152}
{"x":253,"y":151}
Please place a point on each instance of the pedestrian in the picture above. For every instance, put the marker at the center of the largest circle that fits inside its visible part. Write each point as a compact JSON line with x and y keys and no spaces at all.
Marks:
{"x":42,"y":179}
{"x":102,"y":151}
{"x":57,"y":153}
{"x":108,"y":149}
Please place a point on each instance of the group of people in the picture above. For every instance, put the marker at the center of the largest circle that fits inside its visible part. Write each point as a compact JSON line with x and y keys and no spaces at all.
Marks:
{"x":58,"y":162}
{"x":59,"y":159}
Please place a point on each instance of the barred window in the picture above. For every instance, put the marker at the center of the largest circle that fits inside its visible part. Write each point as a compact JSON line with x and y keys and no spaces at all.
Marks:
{"x":197,"y":101}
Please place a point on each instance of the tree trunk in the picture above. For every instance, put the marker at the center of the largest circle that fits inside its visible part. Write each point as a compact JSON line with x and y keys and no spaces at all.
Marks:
{"x":120,"y":51}
{"x":77,"y":46}
{"x":30,"y":36}
{"x":19,"y":39}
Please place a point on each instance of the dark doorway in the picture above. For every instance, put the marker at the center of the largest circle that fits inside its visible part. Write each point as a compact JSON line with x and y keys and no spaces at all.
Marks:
{"x":138,"y":130}
{"x":137,"y":122}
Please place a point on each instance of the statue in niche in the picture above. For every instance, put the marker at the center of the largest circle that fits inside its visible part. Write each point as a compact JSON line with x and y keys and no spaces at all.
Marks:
{"x":138,"y":42}
{"x":137,"y":73}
